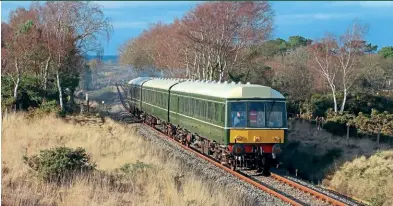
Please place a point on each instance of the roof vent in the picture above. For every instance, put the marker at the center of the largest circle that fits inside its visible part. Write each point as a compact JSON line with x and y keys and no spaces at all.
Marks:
{"x":248,"y":82}
{"x":239,"y":82}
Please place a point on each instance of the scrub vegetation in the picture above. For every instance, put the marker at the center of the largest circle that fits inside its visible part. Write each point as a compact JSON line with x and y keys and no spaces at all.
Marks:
{"x":43,"y":166}
{"x":341,"y":82}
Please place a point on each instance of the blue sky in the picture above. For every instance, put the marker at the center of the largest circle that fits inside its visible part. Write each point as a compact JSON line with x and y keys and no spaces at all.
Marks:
{"x":306,"y":18}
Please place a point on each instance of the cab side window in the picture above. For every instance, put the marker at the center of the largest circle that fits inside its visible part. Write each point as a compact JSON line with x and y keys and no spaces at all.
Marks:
{"x":238,"y":114}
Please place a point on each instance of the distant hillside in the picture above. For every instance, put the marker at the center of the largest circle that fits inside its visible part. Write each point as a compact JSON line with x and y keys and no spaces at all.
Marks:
{"x":106,"y":58}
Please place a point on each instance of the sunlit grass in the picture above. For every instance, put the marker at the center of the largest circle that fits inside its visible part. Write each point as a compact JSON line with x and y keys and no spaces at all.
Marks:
{"x":110,"y":145}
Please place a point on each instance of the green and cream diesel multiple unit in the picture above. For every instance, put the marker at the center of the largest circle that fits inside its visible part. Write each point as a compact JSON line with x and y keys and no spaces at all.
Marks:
{"x":226,"y":113}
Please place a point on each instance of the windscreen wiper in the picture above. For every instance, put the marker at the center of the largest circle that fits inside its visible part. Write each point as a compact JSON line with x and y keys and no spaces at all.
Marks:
{"x":270,"y":111}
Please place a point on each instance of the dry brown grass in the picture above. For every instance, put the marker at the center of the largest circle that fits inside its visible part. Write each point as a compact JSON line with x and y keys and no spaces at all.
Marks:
{"x":323,"y":141}
{"x":361,"y":170}
{"x":368,"y":178}
{"x":111,"y":145}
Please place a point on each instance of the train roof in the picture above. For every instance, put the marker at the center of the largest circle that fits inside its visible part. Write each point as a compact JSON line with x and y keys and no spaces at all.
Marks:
{"x":139,"y":80}
{"x":227,"y":90}
{"x":214,"y":89}
{"x":161,"y":83}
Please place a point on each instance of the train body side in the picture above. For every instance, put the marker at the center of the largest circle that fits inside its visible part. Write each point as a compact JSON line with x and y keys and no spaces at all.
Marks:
{"x":155,"y":99}
{"x":206,"y":109}
{"x":199,"y":114}
{"x":134,"y":95}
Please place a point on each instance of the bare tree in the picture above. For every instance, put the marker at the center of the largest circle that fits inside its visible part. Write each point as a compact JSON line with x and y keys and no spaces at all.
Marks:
{"x":72,"y":26}
{"x":374,"y":72}
{"x":296,"y":78}
{"x":20,"y":42}
{"x":221,"y":31}
{"x":324,"y":61}
{"x":349,"y":53}
{"x":133,"y":54}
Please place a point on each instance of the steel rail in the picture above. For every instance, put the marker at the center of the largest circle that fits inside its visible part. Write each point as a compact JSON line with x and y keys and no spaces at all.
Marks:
{"x":308,"y":190}
{"x":236,"y":174}
{"x":249,"y":180}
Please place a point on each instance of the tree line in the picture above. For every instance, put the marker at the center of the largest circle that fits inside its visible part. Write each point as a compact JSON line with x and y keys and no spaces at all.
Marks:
{"x":43,"y":49}
{"x":220,"y":41}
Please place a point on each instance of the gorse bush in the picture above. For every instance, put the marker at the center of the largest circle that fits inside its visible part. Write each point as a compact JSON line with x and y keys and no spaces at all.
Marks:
{"x":60,"y":163}
{"x":136,"y":167}
{"x":50,"y":106}
{"x":44,"y":109}
{"x":337,"y":123}
{"x":362,"y":124}
{"x":317,"y":105}
{"x":375,"y":122}
{"x":355,"y":103}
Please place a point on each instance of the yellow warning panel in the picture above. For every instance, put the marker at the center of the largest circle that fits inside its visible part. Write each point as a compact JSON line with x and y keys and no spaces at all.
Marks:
{"x":256,"y":136}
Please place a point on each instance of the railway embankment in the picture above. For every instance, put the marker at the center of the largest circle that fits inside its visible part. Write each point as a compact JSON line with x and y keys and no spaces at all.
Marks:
{"x":362,"y":169}
{"x":133,"y":170}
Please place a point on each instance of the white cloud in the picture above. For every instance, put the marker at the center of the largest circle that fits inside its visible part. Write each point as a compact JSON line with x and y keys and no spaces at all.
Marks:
{"x":16,"y":2}
{"x":365,"y":4}
{"x":306,"y":18}
{"x":375,"y":4}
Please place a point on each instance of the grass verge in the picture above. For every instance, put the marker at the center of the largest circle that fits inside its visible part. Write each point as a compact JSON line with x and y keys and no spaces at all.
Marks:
{"x":130,"y":170}
{"x":361,"y":168}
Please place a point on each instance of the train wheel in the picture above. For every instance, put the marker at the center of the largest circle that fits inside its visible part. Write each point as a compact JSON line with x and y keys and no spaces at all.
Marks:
{"x":188,"y":139}
{"x":202,"y":147}
{"x":266,"y":165}
{"x":234,"y":165}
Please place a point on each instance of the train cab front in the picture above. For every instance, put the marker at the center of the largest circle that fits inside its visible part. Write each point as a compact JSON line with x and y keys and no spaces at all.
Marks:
{"x":256,"y":131}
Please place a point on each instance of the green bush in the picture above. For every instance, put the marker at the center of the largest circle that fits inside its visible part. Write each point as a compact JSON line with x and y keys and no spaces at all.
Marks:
{"x":7,"y":102}
{"x":355,"y":103}
{"x":337,"y":123}
{"x":44,"y":109}
{"x":364,"y":103}
{"x":61,"y":113}
{"x":134,"y":168}
{"x":50,"y":106}
{"x":318,"y":104}
{"x":335,"y":128}
{"x":30,"y":92}
{"x":60,"y":163}
{"x":370,"y":124}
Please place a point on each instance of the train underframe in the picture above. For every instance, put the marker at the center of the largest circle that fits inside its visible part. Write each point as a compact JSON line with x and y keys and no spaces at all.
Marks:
{"x":235,"y":156}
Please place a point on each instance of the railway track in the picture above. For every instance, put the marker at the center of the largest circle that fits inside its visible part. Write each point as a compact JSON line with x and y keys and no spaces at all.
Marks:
{"x":281,"y":187}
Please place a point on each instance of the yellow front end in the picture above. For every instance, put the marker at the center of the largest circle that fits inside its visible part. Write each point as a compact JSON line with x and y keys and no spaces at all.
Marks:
{"x":254,"y":136}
